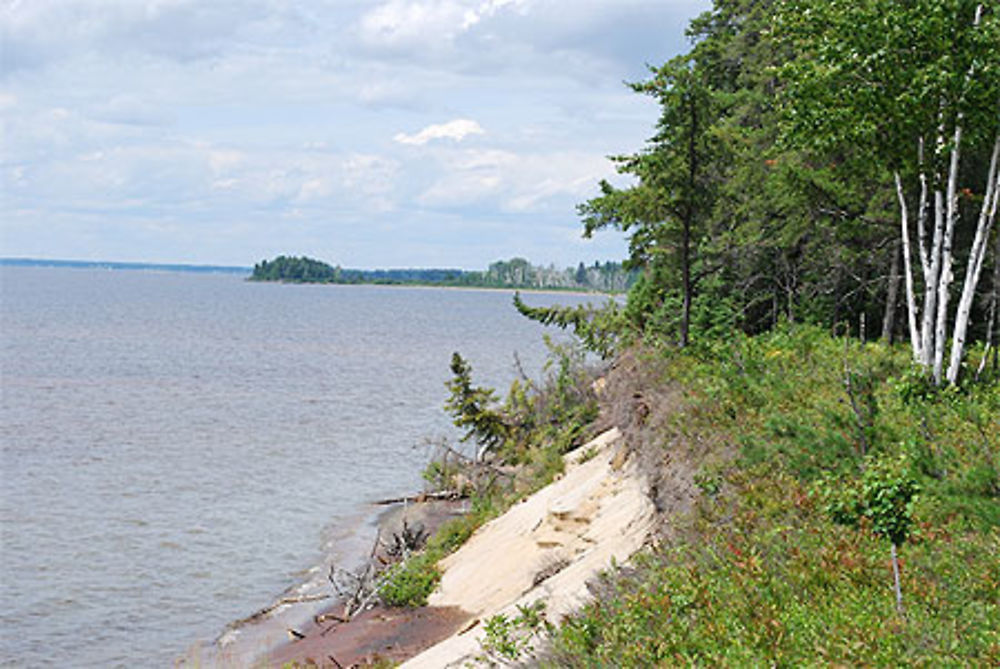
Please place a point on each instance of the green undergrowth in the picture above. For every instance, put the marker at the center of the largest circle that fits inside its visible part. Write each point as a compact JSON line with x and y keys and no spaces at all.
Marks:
{"x":410,"y":582}
{"x":763,"y":572}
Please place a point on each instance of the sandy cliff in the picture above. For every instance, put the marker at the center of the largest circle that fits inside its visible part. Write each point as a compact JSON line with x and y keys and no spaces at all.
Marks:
{"x":546,"y":547}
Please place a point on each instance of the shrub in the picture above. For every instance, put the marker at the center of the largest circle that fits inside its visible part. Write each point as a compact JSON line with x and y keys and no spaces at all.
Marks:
{"x":410,"y":582}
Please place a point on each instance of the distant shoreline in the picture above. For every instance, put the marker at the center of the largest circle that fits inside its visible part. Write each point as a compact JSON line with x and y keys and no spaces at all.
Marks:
{"x":129,"y":266}
{"x":445,"y":286}
{"x":235,"y":270}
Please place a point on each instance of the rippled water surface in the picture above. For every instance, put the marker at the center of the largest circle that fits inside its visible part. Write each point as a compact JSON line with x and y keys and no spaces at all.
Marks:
{"x":177,"y":449}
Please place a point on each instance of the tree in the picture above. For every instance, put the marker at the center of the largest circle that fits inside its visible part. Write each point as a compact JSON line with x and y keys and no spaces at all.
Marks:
{"x":581,"y":276}
{"x":663,"y":212}
{"x":472,"y":409}
{"x":916,"y":85}
{"x":285,"y":268}
{"x":598,"y":328}
{"x":883,"y":498}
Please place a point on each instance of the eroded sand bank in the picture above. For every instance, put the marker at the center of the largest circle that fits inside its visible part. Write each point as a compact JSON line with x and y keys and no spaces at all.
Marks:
{"x":545,"y":548}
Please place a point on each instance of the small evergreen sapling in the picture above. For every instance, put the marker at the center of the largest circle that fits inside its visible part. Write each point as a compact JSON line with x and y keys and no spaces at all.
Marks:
{"x":883,"y":497}
{"x":471,"y":410}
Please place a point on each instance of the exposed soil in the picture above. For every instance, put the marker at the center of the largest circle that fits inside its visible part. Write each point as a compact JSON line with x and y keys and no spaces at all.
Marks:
{"x":635,"y":398}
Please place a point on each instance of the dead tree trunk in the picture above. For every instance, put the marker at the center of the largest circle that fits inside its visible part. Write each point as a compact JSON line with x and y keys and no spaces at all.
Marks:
{"x":892,"y":296}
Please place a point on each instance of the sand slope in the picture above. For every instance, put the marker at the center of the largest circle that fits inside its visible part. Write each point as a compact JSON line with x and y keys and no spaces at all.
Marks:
{"x":546,"y":547}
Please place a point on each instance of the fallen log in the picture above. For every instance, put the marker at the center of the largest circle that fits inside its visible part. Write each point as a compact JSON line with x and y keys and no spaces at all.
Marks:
{"x":422,"y":497}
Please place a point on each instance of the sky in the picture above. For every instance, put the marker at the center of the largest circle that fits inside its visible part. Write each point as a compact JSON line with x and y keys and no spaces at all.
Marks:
{"x":369,"y":134}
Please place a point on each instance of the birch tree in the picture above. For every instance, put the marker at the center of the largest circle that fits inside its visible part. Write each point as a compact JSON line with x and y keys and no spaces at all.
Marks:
{"x":916,"y":83}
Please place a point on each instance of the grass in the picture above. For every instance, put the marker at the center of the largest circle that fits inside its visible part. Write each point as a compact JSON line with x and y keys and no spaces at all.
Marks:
{"x":759,"y":573}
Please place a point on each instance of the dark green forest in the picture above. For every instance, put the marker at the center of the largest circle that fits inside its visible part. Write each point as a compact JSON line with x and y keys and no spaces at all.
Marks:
{"x":608,"y":277}
{"x":831,"y":163}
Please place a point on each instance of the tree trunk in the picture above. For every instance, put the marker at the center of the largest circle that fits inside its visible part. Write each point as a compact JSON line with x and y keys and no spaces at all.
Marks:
{"x":925,"y":262}
{"x":931,"y":285}
{"x":987,"y":215}
{"x":891,"y":296}
{"x":991,"y":338}
{"x":946,"y":276}
{"x":895,"y":580}
{"x":911,"y":307}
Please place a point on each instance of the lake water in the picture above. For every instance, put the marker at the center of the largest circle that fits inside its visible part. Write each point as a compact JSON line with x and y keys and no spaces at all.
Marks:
{"x":179,"y":449}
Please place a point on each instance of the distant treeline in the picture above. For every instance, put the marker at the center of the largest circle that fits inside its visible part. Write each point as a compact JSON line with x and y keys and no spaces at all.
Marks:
{"x":607,"y":277}
{"x":115,"y":265}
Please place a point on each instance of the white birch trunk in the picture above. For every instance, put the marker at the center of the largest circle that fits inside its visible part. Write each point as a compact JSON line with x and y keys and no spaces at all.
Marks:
{"x":911,"y":307}
{"x":946,"y":276}
{"x":925,"y":263}
{"x":931,"y":284}
{"x":987,"y":215}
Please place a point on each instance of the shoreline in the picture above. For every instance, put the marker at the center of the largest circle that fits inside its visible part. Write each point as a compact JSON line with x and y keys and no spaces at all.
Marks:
{"x":545,"y":548}
{"x":433,"y":286}
{"x":269,"y":632}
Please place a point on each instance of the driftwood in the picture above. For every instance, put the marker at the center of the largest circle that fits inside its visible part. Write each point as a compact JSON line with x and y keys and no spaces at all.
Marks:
{"x":422,"y":497}
{"x":357,"y":589}
{"x":407,"y":540}
{"x":284,"y":601}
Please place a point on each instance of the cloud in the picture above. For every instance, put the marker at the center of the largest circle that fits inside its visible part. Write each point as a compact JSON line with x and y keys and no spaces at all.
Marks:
{"x":400,"y":25}
{"x":233,"y":119}
{"x":456,"y":130}
{"x":514,"y":183}
{"x":36,"y":33}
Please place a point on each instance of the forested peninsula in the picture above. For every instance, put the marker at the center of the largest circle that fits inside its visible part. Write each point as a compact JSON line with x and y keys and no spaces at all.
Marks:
{"x":608,"y":277}
{"x":803,"y":387}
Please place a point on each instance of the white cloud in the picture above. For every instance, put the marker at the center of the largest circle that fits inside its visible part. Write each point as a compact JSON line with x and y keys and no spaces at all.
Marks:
{"x":428,"y":24}
{"x":521,"y":183}
{"x":223,"y":116}
{"x":456,"y":130}
{"x":400,"y":22}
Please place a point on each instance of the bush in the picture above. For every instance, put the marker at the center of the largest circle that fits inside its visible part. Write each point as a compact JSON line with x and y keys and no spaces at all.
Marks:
{"x":411,"y":582}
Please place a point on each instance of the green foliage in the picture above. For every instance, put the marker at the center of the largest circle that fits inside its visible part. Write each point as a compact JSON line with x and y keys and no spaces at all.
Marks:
{"x":599,"y":329}
{"x":471,"y":410}
{"x":883,"y":498}
{"x":762,"y":573}
{"x":608,"y":277}
{"x":410,"y":582}
{"x":765,"y":193}
{"x":294,"y":270}
{"x":567,"y":403}
{"x":910,"y":68}
{"x":769,"y":582}
{"x":509,"y":639}
{"x":536,"y":424}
